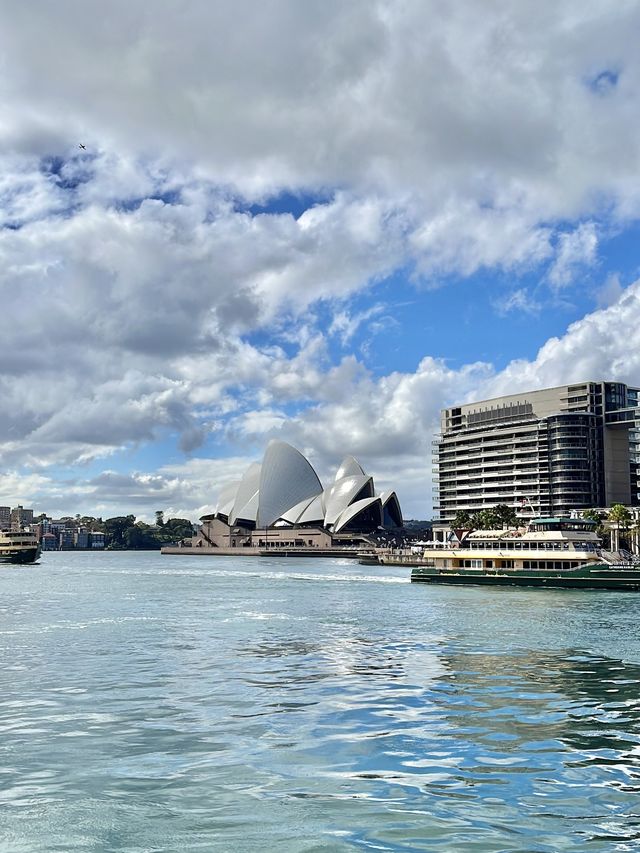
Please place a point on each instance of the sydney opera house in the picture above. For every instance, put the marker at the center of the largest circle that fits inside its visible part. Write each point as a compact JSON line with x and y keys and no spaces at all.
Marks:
{"x":282,"y":503}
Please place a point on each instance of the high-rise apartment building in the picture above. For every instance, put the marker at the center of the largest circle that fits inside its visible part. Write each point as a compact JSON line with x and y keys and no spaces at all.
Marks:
{"x":21,"y":517}
{"x":572,"y":447}
{"x":5,"y":518}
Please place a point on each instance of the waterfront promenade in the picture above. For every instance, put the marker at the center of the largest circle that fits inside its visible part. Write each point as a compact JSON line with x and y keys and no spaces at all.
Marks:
{"x":204,"y":551}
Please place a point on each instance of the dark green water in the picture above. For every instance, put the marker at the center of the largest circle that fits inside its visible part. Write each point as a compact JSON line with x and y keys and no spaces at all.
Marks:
{"x":153,"y":703}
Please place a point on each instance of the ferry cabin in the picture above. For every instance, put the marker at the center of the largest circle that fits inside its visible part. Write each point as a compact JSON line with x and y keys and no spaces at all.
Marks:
{"x":547,"y":543}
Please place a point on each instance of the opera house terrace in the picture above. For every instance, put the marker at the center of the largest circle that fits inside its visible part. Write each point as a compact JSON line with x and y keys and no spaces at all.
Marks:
{"x":281,"y":504}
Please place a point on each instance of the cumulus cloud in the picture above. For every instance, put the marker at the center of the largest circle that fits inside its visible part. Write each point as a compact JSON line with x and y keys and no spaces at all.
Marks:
{"x":576,"y":249}
{"x":387,"y":422}
{"x":156,"y":283}
{"x":517,"y":300}
{"x":603,"y":345}
{"x":610,"y":292}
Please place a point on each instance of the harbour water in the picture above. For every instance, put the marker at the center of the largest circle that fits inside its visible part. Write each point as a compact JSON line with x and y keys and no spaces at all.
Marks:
{"x":152,"y":703}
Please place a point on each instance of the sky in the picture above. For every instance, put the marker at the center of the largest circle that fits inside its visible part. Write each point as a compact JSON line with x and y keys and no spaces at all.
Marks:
{"x":320,"y":222}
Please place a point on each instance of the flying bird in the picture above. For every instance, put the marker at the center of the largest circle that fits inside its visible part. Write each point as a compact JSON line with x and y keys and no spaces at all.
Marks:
{"x":84,"y":147}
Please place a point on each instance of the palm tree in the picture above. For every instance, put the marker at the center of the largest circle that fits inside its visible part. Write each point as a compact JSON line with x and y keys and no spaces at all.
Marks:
{"x":619,"y":516}
{"x":634,"y":533}
{"x":602,"y":531}
{"x":461,"y":520}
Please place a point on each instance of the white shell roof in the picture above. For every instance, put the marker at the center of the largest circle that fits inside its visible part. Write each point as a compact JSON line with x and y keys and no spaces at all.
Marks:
{"x":250,"y":510}
{"x":390,"y":497}
{"x":341,"y":493}
{"x":314,"y":512}
{"x":286,"y":487}
{"x":349,"y":467}
{"x":247,"y":489}
{"x":286,"y":479}
{"x":353,"y":510}
{"x":226,"y":498}
{"x":292,"y":515}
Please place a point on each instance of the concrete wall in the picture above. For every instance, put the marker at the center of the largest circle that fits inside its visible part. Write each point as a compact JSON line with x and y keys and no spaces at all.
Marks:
{"x":216,"y":533}
{"x":301,"y":537}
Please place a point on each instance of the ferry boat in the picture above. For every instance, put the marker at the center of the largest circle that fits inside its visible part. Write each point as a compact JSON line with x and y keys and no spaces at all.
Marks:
{"x":18,"y":546}
{"x":553,"y":552}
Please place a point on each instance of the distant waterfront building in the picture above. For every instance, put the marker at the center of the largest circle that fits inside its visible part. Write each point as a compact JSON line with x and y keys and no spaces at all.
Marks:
{"x":21,"y":517}
{"x":66,"y":538}
{"x":559,"y":449}
{"x":49,"y":542}
{"x":5,"y":518}
{"x":96,"y":540}
{"x":57,"y":534}
{"x":282,"y":503}
{"x":81,"y":538}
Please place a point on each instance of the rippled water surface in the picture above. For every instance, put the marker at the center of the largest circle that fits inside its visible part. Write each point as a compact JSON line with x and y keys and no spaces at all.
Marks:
{"x":153,"y":703}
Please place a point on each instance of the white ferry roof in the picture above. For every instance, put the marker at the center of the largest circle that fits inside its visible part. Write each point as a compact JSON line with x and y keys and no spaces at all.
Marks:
{"x":566,"y":532}
{"x":493,"y":534}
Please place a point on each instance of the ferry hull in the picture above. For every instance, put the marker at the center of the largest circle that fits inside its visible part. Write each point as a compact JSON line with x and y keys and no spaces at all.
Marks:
{"x":20,"y":556}
{"x":593,"y":578}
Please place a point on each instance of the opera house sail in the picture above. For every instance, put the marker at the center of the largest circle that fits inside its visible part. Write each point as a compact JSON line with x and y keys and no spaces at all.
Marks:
{"x":281,"y":501}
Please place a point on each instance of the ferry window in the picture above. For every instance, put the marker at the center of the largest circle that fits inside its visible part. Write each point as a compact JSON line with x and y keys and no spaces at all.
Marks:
{"x":526,"y":564}
{"x":507,"y":564}
{"x":476,"y":564}
{"x":489,"y":564}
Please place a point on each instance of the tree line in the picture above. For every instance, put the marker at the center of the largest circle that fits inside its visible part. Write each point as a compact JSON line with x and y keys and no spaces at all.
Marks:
{"x":618,"y":515}
{"x":493,"y":518}
{"x":501,"y":516}
{"x":123,"y":532}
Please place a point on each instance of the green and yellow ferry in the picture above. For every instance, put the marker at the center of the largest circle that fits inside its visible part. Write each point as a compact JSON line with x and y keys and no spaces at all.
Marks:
{"x":549,"y":552}
{"x":18,"y":546}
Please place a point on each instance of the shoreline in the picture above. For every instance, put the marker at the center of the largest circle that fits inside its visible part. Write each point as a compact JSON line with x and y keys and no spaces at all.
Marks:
{"x":259,"y":552}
